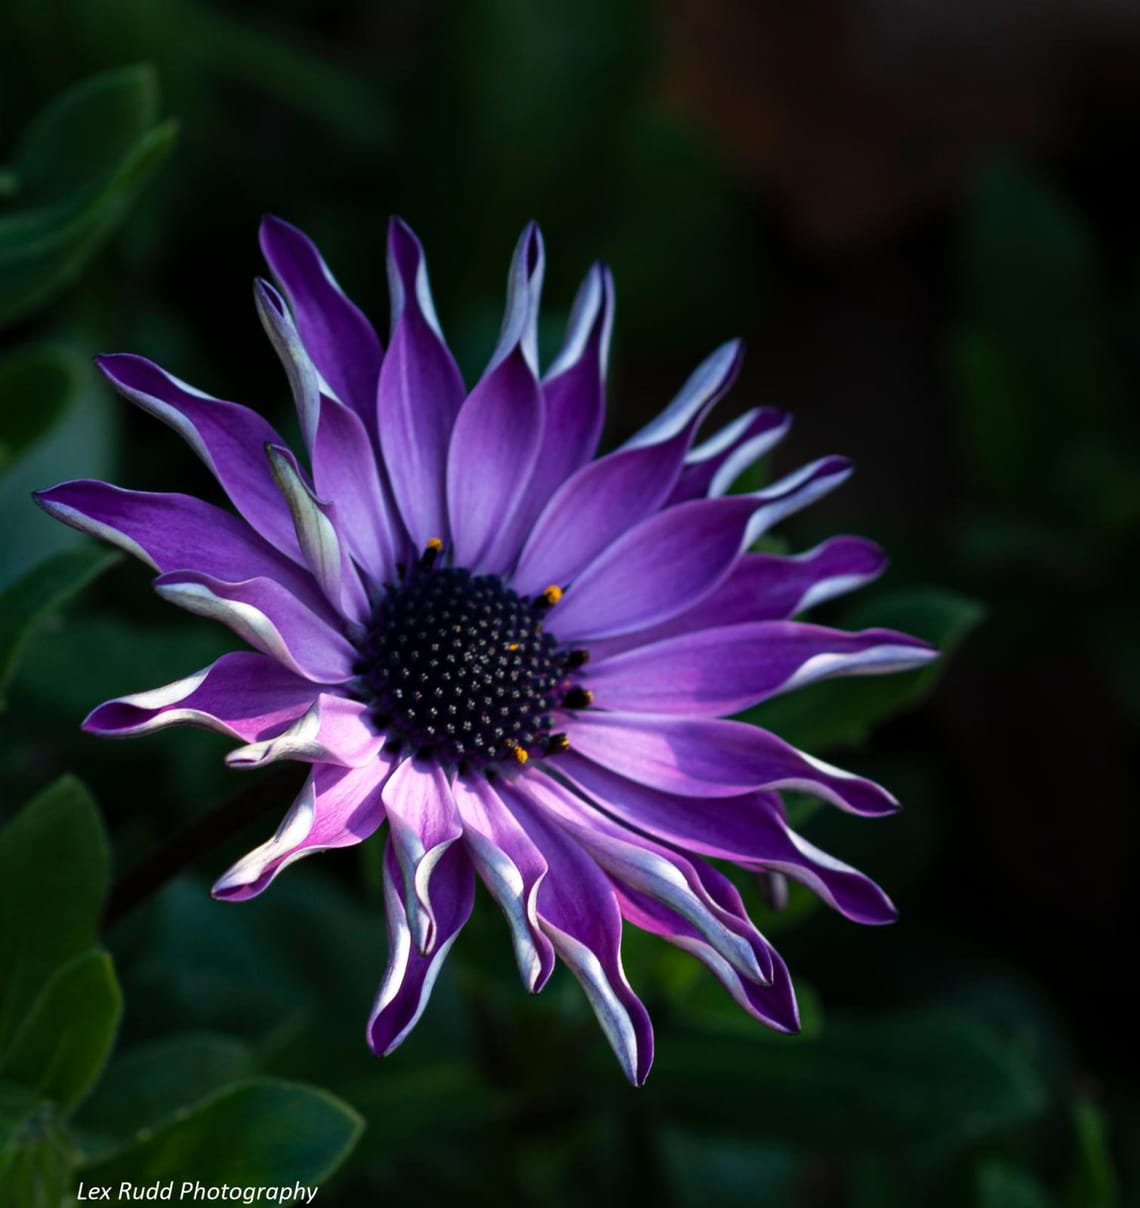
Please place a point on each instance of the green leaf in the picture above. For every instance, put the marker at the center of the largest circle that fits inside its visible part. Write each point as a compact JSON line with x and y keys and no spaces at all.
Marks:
{"x":935,"y":1079}
{"x":65,"y":1040}
{"x":36,"y":1155}
{"x":18,"y":1107}
{"x":152,"y":1082}
{"x":40,"y":590}
{"x":1094,"y":1183}
{"x":53,"y":879}
{"x":263,"y":1133}
{"x":79,"y":444}
{"x":842,"y":712}
{"x":78,"y":168}
{"x":37,"y":386}
{"x":74,"y":139}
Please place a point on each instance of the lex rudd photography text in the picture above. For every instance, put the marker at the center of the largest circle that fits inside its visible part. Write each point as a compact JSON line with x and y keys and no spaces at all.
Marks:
{"x":294,"y":1193}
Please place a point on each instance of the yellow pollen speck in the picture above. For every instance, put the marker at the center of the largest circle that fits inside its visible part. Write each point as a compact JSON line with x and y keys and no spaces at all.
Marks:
{"x":521,"y":755}
{"x":435,"y":544}
{"x":513,"y":646}
{"x":552,"y":594}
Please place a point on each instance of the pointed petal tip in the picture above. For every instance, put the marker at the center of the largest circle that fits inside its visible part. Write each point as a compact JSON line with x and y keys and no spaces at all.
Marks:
{"x":271,"y":227}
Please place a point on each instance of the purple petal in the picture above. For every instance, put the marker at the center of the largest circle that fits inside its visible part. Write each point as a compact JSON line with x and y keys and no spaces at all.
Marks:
{"x":173,"y":532}
{"x":244,"y":695}
{"x":773,"y":1003}
{"x":269,"y":617}
{"x":710,"y":381}
{"x":726,"y":670}
{"x":345,"y":469}
{"x":304,"y":381}
{"x":714,"y":466}
{"x":334,"y":730}
{"x":668,"y":562}
{"x":315,"y":521}
{"x":663,"y":874}
{"x":493,"y":448}
{"x":575,"y":387}
{"x":793,"y":492}
{"x":577,"y":910}
{"x":338,"y":338}
{"x":410,"y":976}
{"x":424,"y":824}
{"x":595,"y":505}
{"x":657,"y":568}
{"x":512,"y":868}
{"x":524,"y":290}
{"x":697,"y":757}
{"x":750,"y":831}
{"x":762,"y":587}
{"x":229,"y":438}
{"x":338,"y":807}
{"x":419,"y":394}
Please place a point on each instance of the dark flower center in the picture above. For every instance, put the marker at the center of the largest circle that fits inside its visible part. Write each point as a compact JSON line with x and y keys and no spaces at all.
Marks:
{"x":458,"y":668}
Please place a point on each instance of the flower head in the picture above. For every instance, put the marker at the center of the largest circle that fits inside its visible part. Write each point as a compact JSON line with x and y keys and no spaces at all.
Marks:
{"x":519,"y":657}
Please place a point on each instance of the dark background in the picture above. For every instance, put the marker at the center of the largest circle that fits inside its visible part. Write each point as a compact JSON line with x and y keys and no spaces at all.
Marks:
{"x":920,"y":219}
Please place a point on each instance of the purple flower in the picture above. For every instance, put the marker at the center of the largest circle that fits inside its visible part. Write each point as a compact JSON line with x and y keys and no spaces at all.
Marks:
{"x":517,"y":655}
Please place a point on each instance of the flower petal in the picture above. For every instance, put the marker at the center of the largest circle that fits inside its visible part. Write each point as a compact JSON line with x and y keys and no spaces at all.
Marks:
{"x":697,"y":757}
{"x":657,"y":568}
{"x":338,"y":338}
{"x":762,"y":587}
{"x":595,"y":505}
{"x":512,"y":868}
{"x":524,"y":291}
{"x":577,"y":910}
{"x":269,"y":617}
{"x":419,"y":394}
{"x":337,"y":807}
{"x":244,"y":695}
{"x":574,"y":389}
{"x":493,"y":448}
{"x":750,"y":831}
{"x":410,"y":976}
{"x":710,"y":381}
{"x":334,"y":730}
{"x":664,"y":875}
{"x":424,"y":824}
{"x":793,"y":492}
{"x":712,"y":467}
{"x":173,"y":532}
{"x":773,"y":1003}
{"x":726,"y":670}
{"x":345,"y":469}
{"x":315,"y":521}
{"x":229,"y":438}
{"x":670,"y":561}
{"x":304,"y":381}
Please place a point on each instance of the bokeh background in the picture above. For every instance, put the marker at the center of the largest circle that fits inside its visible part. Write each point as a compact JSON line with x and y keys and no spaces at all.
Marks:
{"x":922,"y":220}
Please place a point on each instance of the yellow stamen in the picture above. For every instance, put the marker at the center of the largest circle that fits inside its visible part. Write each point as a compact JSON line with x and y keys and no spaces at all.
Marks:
{"x":513,"y":646}
{"x":552,"y":594}
{"x":435,"y":545}
{"x":520,"y":754}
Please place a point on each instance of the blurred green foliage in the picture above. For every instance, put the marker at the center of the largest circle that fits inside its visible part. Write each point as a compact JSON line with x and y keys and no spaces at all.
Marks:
{"x":224,"y":1043}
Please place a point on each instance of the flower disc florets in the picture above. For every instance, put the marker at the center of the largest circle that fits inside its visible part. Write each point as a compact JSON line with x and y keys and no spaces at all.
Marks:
{"x":458,"y":668}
